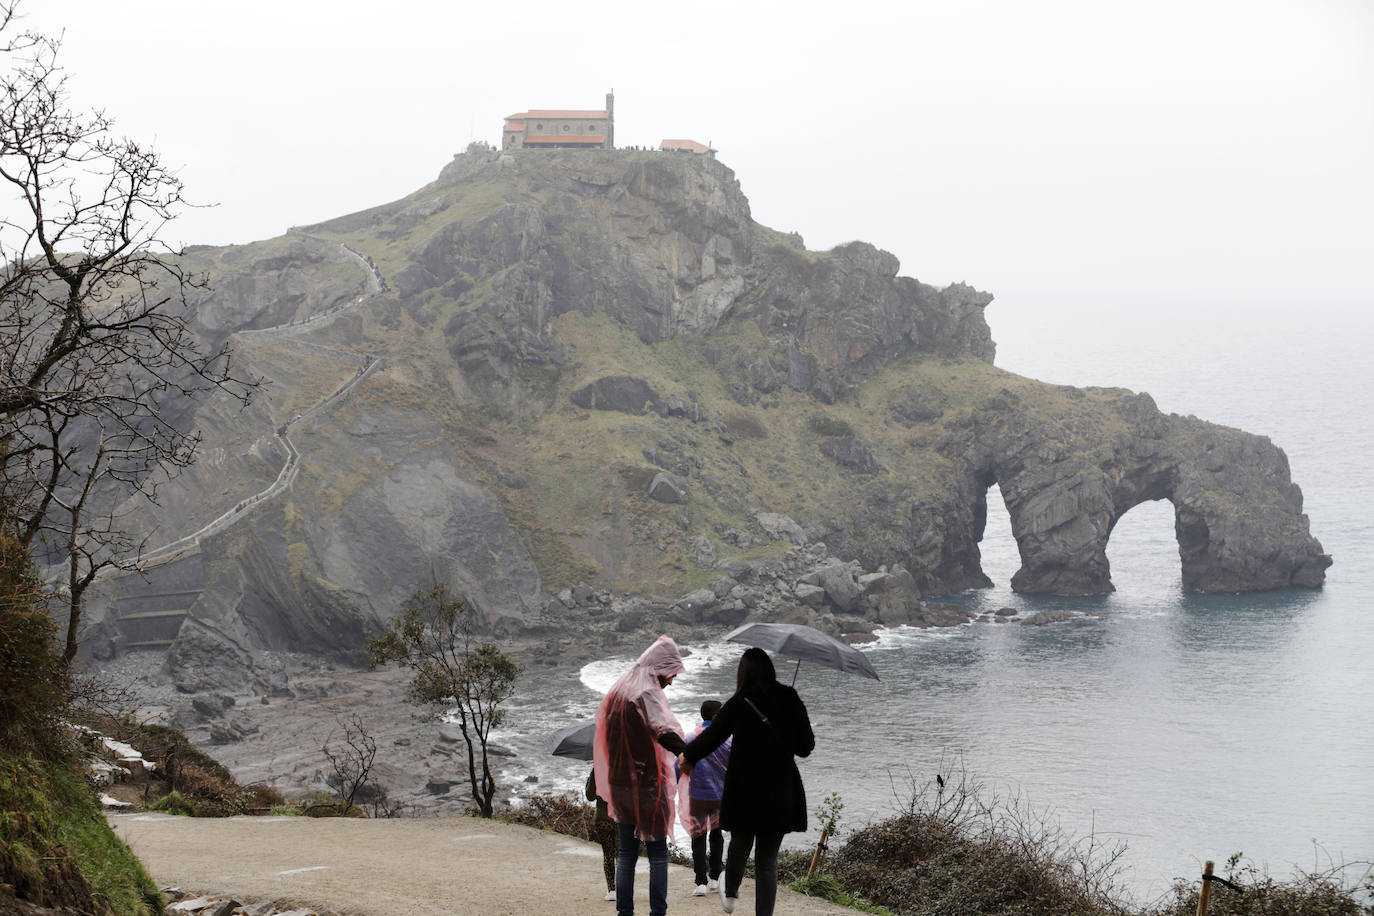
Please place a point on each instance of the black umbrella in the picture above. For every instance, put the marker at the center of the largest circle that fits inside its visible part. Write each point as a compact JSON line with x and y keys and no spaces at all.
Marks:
{"x":574,"y":741}
{"x":804,"y":643}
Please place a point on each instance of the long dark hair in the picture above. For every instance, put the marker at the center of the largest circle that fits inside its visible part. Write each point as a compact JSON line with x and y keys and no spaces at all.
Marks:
{"x":755,"y":672}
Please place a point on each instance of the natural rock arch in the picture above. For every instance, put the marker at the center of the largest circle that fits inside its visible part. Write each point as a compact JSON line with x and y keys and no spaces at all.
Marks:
{"x":1238,"y":516}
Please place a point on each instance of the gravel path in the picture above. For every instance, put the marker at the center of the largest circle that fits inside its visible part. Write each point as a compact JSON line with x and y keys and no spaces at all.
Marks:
{"x":401,"y":867}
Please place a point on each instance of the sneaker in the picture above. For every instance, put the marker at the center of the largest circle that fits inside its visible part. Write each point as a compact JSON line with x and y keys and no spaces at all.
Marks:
{"x":713,"y":884}
{"x":701,"y":891}
{"x":610,"y":895}
{"x":726,"y":903}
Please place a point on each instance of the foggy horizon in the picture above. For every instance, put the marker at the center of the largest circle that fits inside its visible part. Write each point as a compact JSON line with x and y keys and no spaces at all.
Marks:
{"x":1066,"y":157}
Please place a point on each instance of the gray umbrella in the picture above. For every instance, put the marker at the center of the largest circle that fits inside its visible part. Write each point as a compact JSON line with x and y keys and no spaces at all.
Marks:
{"x":804,"y":643}
{"x":574,"y":741}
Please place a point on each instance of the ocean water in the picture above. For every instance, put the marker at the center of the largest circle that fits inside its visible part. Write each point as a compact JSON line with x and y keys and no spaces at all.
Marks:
{"x":1186,"y":726}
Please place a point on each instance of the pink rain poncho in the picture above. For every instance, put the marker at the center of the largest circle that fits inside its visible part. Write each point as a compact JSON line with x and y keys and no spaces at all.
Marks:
{"x":699,"y":794}
{"x":634,"y":773}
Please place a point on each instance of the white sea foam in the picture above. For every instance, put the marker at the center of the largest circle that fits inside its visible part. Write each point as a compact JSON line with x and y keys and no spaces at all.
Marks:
{"x":598,"y":676}
{"x":703,"y":663}
{"x":889,"y":638}
{"x":707,"y":666}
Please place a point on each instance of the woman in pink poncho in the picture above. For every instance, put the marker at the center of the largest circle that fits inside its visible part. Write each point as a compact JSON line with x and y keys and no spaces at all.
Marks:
{"x":637,"y":741}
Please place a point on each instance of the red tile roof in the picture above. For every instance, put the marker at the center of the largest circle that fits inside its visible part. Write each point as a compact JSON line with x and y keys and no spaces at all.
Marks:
{"x":565,"y":138}
{"x":514,"y":125}
{"x":552,"y":113}
{"x":689,"y":146}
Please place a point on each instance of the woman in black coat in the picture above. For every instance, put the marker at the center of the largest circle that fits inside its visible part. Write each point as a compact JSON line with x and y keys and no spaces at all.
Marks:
{"x":763,"y":796}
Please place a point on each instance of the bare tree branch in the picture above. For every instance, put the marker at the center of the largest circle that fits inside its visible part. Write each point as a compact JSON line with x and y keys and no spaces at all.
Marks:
{"x":98,"y":342}
{"x":351,"y":763}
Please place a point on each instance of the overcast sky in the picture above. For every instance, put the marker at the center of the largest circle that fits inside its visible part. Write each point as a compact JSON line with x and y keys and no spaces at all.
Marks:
{"x":1058,"y":153}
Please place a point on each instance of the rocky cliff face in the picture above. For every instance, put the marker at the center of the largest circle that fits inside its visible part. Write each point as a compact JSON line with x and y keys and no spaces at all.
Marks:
{"x":582,"y":374}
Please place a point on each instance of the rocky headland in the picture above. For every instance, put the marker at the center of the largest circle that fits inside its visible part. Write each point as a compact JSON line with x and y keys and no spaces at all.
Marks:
{"x":587,"y":391}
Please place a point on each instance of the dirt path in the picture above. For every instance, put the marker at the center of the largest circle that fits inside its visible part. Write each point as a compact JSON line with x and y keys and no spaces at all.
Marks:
{"x":404,"y":867}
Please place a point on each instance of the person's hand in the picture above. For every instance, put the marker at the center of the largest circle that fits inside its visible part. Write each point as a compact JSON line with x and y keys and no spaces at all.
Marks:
{"x":684,"y":764}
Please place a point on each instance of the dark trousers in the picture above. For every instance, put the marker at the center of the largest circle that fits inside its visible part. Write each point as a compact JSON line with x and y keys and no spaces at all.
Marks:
{"x":766,"y":846}
{"x":700,"y":864}
{"x":658,"y":873}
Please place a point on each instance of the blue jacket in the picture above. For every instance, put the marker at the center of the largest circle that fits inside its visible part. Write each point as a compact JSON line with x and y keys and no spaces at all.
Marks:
{"x":708,"y":776}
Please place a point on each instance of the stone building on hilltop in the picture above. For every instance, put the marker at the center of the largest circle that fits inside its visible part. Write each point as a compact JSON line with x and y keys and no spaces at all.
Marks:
{"x":561,"y":128}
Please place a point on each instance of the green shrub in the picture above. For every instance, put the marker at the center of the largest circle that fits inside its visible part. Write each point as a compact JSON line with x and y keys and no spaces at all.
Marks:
{"x":326,"y":804}
{"x":828,"y":888}
{"x":566,"y":814}
{"x":202,"y":783}
{"x":1325,"y":893}
{"x":32,"y":676}
{"x":156,"y":742}
{"x":637,"y":478}
{"x":745,"y":426}
{"x":174,"y":803}
{"x":825,"y":425}
{"x":958,"y":850}
{"x":792,"y":864}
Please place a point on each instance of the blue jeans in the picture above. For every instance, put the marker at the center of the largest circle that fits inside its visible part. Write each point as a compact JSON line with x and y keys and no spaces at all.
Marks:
{"x":625,"y":873}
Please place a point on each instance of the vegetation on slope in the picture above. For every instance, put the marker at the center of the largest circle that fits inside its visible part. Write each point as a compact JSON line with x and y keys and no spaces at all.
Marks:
{"x":56,"y":848}
{"x":958,"y":851}
{"x":585,"y":515}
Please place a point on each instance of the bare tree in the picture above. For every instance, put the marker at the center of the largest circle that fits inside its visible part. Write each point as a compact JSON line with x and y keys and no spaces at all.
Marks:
{"x":98,"y":352}
{"x":351,"y":762}
{"x":455,"y":674}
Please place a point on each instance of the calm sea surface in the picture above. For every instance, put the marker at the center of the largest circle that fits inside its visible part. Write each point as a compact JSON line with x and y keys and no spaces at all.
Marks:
{"x":1187,"y":726}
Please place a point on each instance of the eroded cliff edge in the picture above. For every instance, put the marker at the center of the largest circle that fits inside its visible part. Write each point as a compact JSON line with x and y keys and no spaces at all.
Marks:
{"x":592,"y":372}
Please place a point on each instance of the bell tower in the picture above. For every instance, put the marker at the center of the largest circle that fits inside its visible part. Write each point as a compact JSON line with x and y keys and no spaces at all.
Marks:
{"x":610,"y":119}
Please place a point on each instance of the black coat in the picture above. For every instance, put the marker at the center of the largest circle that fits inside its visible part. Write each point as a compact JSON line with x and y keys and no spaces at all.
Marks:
{"x":763,"y":790}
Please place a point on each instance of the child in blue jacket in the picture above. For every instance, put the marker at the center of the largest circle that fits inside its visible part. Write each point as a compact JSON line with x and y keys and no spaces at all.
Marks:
{"x":699,"y":807}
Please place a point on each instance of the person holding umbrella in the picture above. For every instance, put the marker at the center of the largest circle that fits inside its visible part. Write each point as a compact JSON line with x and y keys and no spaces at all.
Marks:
{"x":763,"y":795}
{"x":606,"y":833}
{"x":578,"y":741}
{"x":637,"y":739}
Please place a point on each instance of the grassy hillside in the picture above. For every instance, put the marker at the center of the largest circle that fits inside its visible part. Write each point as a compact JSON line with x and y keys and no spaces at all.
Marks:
{"x":585,"y":516}
{"x":55,"y":846}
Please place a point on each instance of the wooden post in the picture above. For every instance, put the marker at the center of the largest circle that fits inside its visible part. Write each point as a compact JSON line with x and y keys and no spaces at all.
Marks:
{"x":1206,"y":892}
{"x":816,"y":856}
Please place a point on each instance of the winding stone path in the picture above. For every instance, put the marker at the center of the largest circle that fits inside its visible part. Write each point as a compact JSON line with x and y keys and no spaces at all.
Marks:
{"x":191,"y":542}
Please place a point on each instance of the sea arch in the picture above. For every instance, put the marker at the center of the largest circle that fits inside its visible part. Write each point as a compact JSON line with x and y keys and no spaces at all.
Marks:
{"x":1238,"y":516}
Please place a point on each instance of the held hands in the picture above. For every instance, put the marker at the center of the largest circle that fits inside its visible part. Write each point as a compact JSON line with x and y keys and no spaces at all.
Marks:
{"x":684,"y":764}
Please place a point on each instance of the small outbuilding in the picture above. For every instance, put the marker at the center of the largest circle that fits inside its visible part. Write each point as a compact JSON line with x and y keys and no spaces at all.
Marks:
{"x":686,"y":146}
